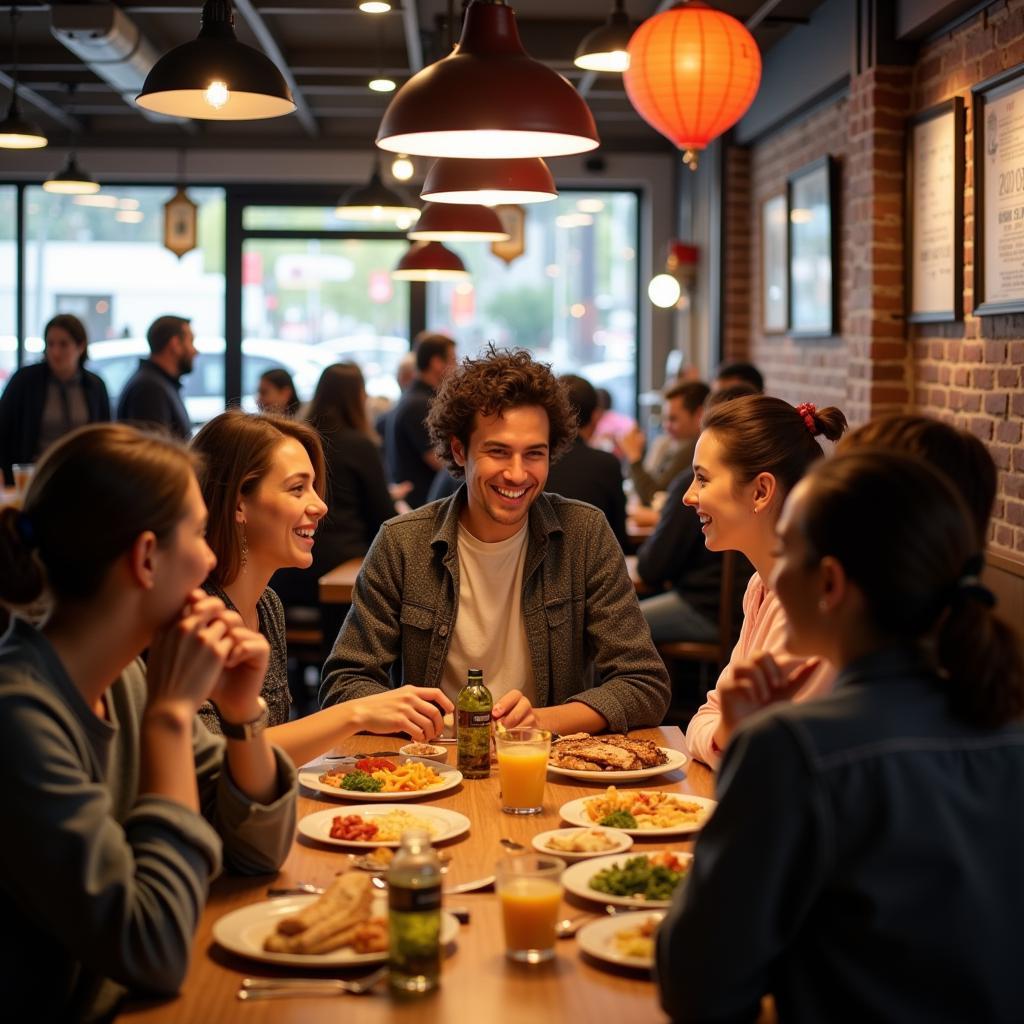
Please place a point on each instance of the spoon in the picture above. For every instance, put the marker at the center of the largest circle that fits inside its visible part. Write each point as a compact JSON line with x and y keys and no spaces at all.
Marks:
{"x":569,"y":926}
{"x":511,"y":844}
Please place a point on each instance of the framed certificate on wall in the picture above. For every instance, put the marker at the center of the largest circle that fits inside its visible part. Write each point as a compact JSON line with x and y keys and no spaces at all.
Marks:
{"x":999,"y":194}
{"x":813,"y":305}
{"x":934,"y":214}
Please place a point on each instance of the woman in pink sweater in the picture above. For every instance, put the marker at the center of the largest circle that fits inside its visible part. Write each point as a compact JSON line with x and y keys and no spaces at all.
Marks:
{"x":750,"y":454}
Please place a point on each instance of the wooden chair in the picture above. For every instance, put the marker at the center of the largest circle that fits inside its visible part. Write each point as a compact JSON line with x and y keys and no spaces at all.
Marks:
{"x":713,"y":651}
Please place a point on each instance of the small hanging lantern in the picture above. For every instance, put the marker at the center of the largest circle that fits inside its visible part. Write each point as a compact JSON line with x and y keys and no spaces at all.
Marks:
{"x":693,"y":73}
{"x":180,"y":223}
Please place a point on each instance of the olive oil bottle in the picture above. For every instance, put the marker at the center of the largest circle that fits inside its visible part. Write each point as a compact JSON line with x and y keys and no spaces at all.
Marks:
{"x":414,"y":916}
{"x":473,"y":726}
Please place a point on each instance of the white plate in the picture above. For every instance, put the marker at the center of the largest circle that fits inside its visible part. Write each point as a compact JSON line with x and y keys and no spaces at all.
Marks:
{"x":450,"y":778}
{"x":243,"y":931}
{"x":621,"y":840}
{"x":575,"y":812}
{"x":318,"y":825}
{"x":676,"y":759}
{"x":576,"y":879}
{"x":597,"y":939}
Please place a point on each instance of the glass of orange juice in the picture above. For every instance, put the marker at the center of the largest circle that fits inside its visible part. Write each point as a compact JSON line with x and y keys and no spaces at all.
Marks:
{"x":522,"y":768}
{"x":530,"y":892}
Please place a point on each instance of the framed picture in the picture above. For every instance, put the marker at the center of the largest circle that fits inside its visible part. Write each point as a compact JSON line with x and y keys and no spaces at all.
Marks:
{"x":180,"y":223}
{"x":999,"y":194}
{"x":813,"y":306}
{"x":934,"y":214}
{"x":774,"y":265}
{"x":513,"y":220}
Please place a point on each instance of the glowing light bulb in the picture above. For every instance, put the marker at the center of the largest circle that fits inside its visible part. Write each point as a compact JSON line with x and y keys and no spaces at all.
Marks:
{"x":382,"y":84}
{"x":402,"y":168}
{"x":664,"y":291}
{"x":374,"y":7}
{"x":217,"y":94}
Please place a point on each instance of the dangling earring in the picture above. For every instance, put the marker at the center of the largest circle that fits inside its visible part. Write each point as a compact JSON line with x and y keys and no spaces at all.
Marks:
{"x":245,"y":550}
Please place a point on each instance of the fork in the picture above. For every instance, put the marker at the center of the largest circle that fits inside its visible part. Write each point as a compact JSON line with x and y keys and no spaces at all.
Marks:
{"x":280,"y":988}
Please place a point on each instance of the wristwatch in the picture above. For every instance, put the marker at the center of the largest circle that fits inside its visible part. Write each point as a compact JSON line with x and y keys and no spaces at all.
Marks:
{"x":247,"y":730}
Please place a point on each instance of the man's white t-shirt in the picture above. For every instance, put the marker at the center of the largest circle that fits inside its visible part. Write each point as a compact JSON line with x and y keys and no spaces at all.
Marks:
{"x":489,"y":632}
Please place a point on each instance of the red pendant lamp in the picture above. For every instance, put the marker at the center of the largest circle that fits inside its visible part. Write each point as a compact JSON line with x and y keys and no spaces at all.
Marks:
{"x":489,"y":182}
{"x":693,"y":73}
{"x":450,"y":222}
{"x":429,"y":261}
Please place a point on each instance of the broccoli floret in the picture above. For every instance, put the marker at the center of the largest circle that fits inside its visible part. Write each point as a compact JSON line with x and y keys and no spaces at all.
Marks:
{"x":619,"y":819}
{"x":361,"y":782}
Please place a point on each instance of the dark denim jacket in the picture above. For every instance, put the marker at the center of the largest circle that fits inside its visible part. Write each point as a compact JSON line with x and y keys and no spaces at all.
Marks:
{"x":588,"y":640}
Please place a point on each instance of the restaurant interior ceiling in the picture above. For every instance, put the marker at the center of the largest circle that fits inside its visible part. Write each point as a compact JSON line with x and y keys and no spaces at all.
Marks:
{"x":328,"y":51}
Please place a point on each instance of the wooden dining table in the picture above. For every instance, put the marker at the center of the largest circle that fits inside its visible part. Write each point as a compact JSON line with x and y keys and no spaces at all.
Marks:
{"x":478,"y":983}
{"x":336,"y":585}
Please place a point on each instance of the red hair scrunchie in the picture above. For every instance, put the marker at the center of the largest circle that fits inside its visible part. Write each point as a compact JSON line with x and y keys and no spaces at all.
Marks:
{"x":807,"y":411}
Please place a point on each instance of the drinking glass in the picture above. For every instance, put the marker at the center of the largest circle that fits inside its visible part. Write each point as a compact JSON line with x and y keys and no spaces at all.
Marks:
{"x":530,"y":892}
{"x":522,"y":768}
{"x":22,"y":477}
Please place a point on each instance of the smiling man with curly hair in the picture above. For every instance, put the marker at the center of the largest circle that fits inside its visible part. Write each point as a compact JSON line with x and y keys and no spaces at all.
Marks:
{"x":530,"y":587}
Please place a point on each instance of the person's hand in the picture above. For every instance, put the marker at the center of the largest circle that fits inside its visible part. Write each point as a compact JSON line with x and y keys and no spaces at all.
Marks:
{"x":644,"y":516}
{"x":414,"y":710}
{"x":237,"y":691}
{"x":634,"y":444}
{"x":755,"y":684}
{"x":400,"y":490}
{"x":513,"y":709}
{"x":187,"y":656}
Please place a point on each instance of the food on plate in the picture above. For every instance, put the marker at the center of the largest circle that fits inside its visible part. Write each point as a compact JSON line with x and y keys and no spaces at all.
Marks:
{"x":429,"y":750}
{"x":613,"y":753}
{"x":648,"y":876}
{"x":385,"y":828}
{"x":651,"y":809}
{"x":408,"y":777}
{"x":637,"y":940}
{"x":340,"y":917}
{"x":591,"y":841}
{"x":618,"y":819}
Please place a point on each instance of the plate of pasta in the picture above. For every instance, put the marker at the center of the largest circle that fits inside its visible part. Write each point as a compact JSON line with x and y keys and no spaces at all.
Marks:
{"x":641,"y":812}
{"x":395,"y":778}
{"x":368,"y":826}
{"x":626,"y":940}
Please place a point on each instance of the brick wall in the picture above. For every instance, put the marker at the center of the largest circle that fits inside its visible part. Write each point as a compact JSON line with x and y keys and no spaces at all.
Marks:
{"x":970,"y":373}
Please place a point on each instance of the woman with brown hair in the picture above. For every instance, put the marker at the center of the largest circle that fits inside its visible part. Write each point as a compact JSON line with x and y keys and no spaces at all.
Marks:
{"x":867,"y":845}
{"x":262,"y":478}
{"x":751,"y":453}
{"x":123,"y":807}
{"x":44,"y":401}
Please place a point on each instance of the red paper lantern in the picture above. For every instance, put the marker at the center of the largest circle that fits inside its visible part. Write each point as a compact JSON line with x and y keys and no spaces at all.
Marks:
{"x":693,"y":72}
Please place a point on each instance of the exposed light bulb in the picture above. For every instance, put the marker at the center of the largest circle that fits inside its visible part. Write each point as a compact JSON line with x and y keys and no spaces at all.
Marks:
{"x":664,"y":291}
{"x":382,"y":84}
{"x":375,"y":7}
{"x":402,"y":168}
{"x":217,"y":94}
{"x":403,"y":223}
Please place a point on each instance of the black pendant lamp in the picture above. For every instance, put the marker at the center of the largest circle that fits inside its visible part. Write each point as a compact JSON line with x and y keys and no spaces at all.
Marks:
{"x":71,"y":180}
{"x":215,"y":77}
{"x":17,"y":131}
{"x":607,"y":47}
{"x":374,"y":201}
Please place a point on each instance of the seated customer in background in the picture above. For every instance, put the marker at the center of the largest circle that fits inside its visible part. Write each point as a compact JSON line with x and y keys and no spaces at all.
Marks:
{"x":739,"y":374}
{"x":276,"y":393}
{"x":866,"y":848}
{"x":675,"y":556}
{"x":611,"y":425}
{"x":750,"y":455}
{"x":407,"y":446}
{"x":262,"y":479}
{"x":354,"y":486}
{"x":124,"y":805}
{"x":530,"y":587}
{"x":46,"y":400}
{"x":152,"y":396}
{"x":585,"y":473}
{"x":672,"y":451}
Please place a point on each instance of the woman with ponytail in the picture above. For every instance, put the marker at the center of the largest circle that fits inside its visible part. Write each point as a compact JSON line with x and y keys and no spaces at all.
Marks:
{"x":123,"y":806}
{"x":867,"y":845}
{"x":750,"y":454}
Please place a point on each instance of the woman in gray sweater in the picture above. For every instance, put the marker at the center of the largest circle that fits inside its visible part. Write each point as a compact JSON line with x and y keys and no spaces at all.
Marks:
{"x":125,"y":807}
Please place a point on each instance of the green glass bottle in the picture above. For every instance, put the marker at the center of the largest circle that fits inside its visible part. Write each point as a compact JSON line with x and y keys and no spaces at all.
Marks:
{"x":473,"y":726}
{"x":414,"y":916}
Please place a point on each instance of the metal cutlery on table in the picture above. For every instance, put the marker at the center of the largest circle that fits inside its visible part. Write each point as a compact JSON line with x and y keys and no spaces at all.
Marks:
{"x":279,"y":988}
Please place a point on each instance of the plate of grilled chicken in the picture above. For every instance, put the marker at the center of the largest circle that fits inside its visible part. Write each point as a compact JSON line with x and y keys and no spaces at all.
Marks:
{"x":611,"y":758}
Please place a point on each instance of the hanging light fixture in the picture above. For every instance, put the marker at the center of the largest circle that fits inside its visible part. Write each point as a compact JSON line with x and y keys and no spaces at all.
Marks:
{"x":666,"y":289}
{"x":402,"y":168}
{"x":447,"y":222}
{"x":374,"y":201}
{"x":693,"y":73}
{"x":375,"y":7}
{"x":71,"y":180}
{"x":429,"y":261}
{"x":215,"y":77}
{"x":489,"y":182}
{"x":16,"y":131}
{"x":488,"y":96}
{"x":607,"y":47}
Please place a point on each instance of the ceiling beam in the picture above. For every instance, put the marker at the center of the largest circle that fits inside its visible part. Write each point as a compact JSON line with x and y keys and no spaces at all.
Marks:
{"x":273,"y":51}
{"x":413,"y":42}
{"x":29,"y":95}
